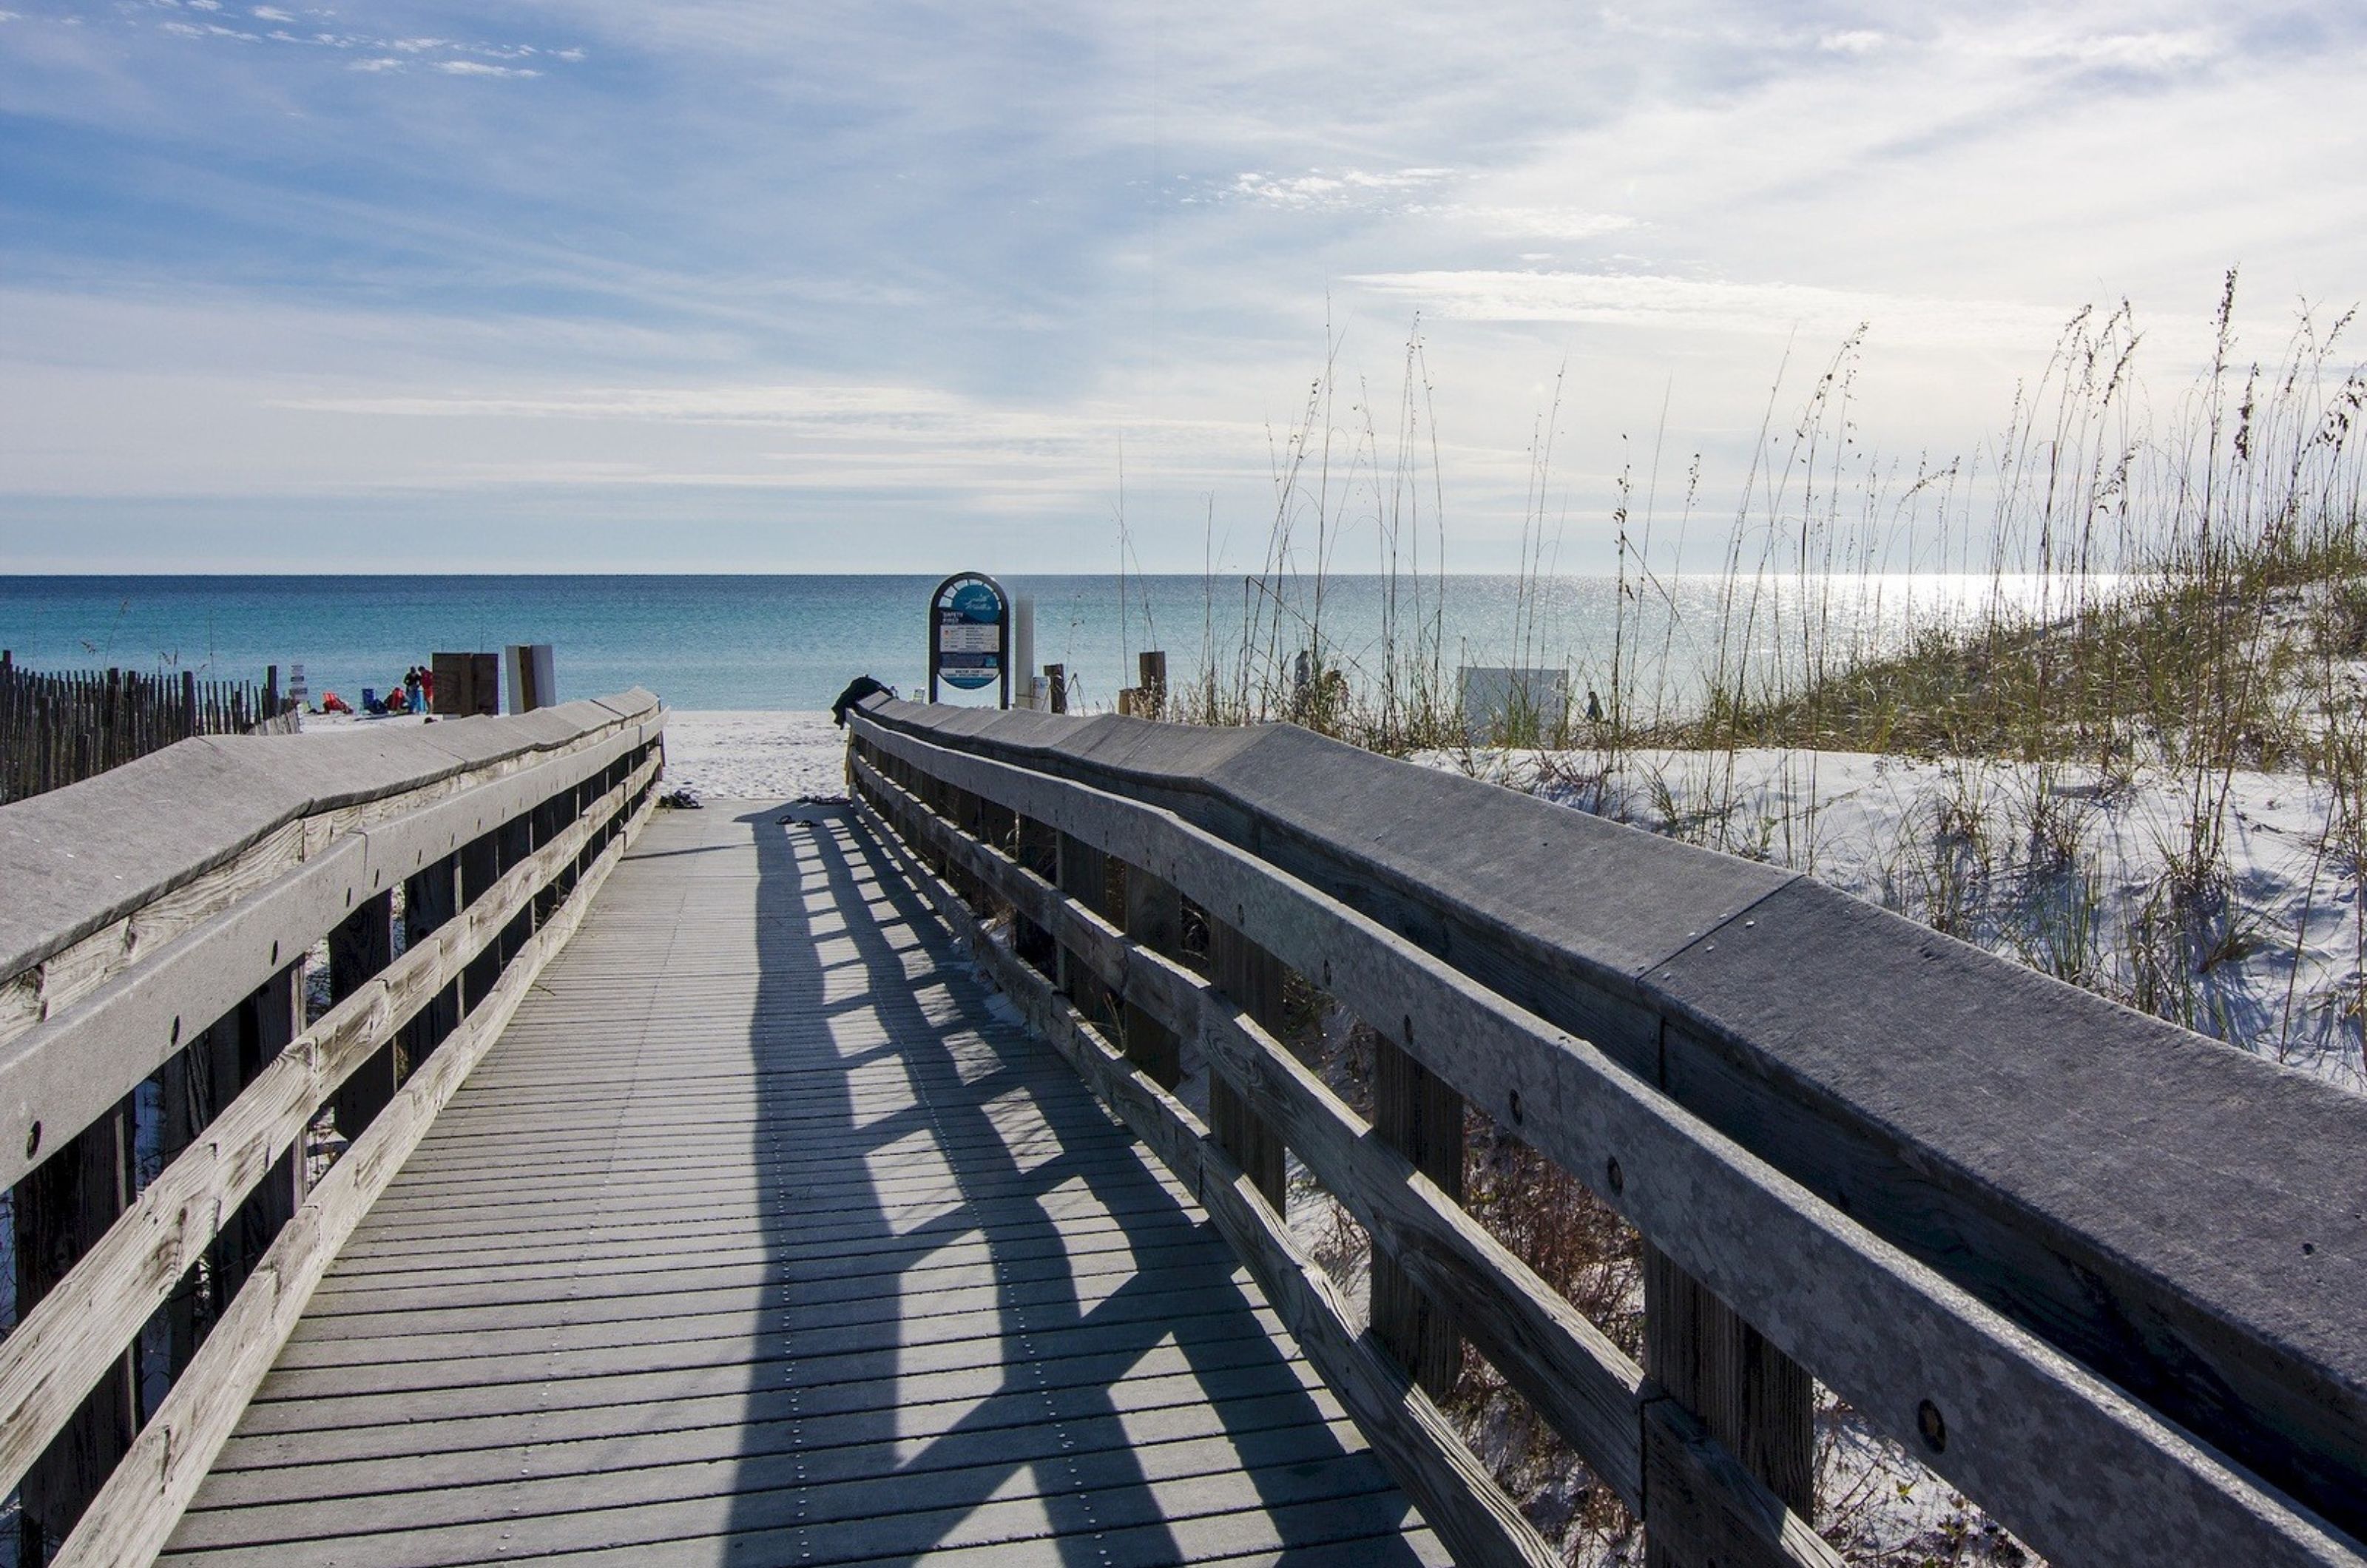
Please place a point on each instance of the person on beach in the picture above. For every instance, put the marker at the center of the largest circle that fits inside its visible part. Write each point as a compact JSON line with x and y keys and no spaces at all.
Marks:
{"x":1593,"y":708}
{"x":411,"y":689}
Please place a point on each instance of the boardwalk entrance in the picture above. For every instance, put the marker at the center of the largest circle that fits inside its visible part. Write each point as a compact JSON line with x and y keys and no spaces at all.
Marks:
{"x":762,"y":1237}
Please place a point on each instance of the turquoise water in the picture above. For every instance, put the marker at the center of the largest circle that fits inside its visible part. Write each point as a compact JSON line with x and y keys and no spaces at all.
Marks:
{"x":793,"y":642}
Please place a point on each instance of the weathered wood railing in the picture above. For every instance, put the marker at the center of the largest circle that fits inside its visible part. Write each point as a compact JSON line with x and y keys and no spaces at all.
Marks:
{"x":2102,"y":1275}
{"x":154,"y":935}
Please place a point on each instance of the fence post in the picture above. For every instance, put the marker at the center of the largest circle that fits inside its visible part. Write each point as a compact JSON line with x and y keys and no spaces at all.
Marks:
{"x":513,"y":841}
{"x":1150,"y":679}
{"x":62,"y":1207}
{"x":431,"y":895}
{"x":359,"y":946}
{"x":966,"y":811}
{"x":270,"y":1017}
{"x":1039,"y":852}
{"x":1421,"y":1116}
{"x":1154,"y":917}
{"x":1055,"y":682}
{"x":481,"y":867}
{"x":1752,"y":1398}
{"x":1084,"y":876}
{"x":1254,"y":979}
{"x":195,"y":1082}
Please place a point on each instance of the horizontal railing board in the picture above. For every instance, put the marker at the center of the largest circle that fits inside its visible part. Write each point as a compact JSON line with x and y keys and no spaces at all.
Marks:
{"x":67,"y":1071}
{"x":477,"y":739}
{"x":332,"y":772}
{"x":2194,"y":1248}
{"x":626,"y":704}
{"x":78,"y":858}
{"x":2174,"y":1156}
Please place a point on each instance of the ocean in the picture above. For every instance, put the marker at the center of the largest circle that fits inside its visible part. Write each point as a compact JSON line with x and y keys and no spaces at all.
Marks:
{"x":793,"y":642}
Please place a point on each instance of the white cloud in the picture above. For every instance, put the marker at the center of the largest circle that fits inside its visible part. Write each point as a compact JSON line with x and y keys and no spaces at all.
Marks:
{"x":1523,"y":222}
{"x":376,"y":63}
{"x":1855,"y":41}
{"x":725,"y":404}
{"x":271,"y":14}
{"x":2155,"y":51}
{"x":1694,"y":305}
{"x":1339,"y":188}
{"x":479,"y":68}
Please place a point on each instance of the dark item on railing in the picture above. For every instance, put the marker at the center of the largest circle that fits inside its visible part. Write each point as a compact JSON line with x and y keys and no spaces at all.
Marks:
{"x":862,"y":687}
{"x":1745,"y":1034}
{"x":62,"y":727}
{"x":158,"y":927}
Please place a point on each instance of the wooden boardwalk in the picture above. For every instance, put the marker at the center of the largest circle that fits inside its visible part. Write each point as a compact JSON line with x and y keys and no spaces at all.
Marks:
{"x":763,"y":1236}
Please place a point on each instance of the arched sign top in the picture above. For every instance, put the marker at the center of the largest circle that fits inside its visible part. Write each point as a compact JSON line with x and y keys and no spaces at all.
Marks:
{"x":970,"y":633}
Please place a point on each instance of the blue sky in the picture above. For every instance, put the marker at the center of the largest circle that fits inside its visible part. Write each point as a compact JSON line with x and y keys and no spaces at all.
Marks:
{"x":698,"y":286}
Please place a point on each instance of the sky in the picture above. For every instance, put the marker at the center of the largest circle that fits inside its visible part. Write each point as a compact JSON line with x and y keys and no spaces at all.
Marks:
{"x":585,"y":285}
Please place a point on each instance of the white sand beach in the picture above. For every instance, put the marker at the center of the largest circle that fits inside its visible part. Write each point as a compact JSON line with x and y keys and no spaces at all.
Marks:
{"x":746,"y":755}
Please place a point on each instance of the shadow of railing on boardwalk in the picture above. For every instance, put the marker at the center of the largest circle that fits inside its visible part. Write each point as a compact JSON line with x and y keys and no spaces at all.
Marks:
{"x":883,"y":1275}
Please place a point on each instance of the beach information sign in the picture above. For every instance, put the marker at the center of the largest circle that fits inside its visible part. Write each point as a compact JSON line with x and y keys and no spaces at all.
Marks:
{"x":969,"y":635}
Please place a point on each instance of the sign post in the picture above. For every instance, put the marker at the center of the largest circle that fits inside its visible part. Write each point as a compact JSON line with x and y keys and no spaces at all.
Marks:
{"x":970,"y":633}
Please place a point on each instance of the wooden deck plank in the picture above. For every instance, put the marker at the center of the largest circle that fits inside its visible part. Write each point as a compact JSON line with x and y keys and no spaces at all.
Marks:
{"x":693,"y":1241}
{"x":766,"y":1235}
{"x":624,"y":1272}
{"x":880,"y":1515}
{"x":541,"y":1441}
{"x":1215,"y":1355}
{"x":695,"y":1278}
{"x":421,"y":1334}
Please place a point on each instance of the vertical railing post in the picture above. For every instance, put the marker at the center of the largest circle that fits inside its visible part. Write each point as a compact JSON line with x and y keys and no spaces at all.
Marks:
{"x":193,"y":1085}
{"x":62,"y":1207}
{"x":481,"y":867}
{"x":431,"y":895}
{"x":271,"y":1016}
{"x":1039,"y":852}
{"x":1752,"y":1398}
{"x":1421,"y":1116}
{"x":1084,"y":876}
{"x":359,"y":947}
{"x":513,"y":841}
{"x":1154,"y":917}
{"x":967,"y":812}
{"x":547,"y":821}
{"x":1254,"y":979}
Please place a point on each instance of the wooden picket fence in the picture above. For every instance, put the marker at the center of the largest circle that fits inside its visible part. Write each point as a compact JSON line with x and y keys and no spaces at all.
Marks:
{"x":60,"y":727}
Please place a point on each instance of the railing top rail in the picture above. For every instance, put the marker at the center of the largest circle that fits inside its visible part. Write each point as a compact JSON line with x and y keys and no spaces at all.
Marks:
{"x":76,"y":858}
{"x":2186,"y":1219}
